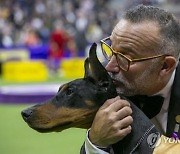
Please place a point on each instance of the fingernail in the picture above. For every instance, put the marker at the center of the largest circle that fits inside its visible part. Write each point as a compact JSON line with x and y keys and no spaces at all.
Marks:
{"x":118,"y":97}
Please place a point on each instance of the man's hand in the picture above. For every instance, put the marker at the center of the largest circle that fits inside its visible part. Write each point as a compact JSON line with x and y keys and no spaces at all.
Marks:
{"x":111,"y":123}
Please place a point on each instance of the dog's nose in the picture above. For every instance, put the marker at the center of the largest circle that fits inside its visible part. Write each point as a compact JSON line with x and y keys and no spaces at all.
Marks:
{"x":26,"y":114}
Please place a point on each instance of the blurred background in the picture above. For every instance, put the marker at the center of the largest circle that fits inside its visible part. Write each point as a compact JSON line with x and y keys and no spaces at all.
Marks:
{"x":43,"y":44}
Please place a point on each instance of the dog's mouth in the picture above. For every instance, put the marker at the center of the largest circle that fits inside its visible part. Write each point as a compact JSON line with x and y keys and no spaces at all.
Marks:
{"x":43,"y":124}
{"x":47,"y":118}
{"x":60,"y":127}
{"x":57,"y":128}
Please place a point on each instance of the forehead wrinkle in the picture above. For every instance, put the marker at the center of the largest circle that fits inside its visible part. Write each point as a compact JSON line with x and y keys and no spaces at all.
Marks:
{"x":138,"y":39}
{"x":141,"y":40}
{"x":139,"y":28}
{"x":127,"y":36}
{"x":127,"y":43}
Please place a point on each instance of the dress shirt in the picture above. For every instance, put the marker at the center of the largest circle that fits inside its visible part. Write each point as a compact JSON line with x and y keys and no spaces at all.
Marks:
{"x":160,"y":120}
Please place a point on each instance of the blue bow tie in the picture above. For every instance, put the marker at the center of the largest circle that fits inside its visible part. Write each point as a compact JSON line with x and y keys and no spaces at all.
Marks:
{"x":150,"y":105}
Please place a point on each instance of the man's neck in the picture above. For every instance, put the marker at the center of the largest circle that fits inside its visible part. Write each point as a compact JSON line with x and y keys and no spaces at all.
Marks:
{"x":166,"y":89}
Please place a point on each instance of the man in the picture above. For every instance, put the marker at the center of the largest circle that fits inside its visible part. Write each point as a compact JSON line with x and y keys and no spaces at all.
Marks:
{"x":143,"y":60}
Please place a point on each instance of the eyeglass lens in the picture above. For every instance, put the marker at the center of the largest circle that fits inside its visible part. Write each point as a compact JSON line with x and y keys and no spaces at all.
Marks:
{"x":108,"y":53}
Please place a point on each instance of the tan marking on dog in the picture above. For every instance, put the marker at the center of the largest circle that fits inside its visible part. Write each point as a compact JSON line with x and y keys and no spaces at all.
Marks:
{"x":78,"y":117}
{"x":90,"y":103}
{"x":48,"y":116}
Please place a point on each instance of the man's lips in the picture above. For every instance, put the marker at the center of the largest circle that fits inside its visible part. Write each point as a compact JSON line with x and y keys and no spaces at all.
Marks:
{"x":114,"y":81}
{"x":117,"y":82}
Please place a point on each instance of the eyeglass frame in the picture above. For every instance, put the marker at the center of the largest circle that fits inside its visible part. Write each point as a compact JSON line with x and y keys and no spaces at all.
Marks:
{"x":128,"y":59}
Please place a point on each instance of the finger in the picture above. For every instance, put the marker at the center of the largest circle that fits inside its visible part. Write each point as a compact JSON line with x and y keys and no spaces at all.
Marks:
{"x":118,"y":104}
{"x":124,"y":132}
{"x":127,"y":121}
{"x":124,"y":112}
{"x":110,"y":101}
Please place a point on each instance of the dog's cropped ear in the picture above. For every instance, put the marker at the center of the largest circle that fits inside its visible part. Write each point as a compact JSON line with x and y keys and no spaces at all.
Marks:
{"x":96,"y":73}
{"x":94,"y":68}
{"x":86,"y":68}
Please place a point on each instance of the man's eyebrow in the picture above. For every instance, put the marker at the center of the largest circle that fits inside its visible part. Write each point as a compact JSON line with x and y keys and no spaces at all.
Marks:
{"x":126,"y":49}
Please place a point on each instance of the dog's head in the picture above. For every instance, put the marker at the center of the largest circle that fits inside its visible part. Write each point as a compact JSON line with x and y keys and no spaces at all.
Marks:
{"x":76,"y":102}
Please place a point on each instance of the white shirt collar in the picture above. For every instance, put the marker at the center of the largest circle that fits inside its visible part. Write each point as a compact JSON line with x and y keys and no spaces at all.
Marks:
{"x":160,"y":120}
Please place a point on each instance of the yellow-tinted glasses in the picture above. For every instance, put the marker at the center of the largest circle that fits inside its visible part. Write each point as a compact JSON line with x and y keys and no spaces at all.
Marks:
{"x":123,"y":61}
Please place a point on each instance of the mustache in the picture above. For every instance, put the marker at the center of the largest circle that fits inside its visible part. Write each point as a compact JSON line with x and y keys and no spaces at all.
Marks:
{"x":116,"y":78}
{"x":112,"y":75}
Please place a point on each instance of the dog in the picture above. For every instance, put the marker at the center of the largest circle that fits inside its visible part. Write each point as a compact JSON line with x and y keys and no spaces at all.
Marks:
{"x":76,"y":104}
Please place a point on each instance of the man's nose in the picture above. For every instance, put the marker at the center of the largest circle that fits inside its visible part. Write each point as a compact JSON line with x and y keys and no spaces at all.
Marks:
{"x":112,"y":65}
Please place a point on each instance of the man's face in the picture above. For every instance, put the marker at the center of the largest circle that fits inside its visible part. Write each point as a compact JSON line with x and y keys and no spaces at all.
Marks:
{"x":136,"y":41}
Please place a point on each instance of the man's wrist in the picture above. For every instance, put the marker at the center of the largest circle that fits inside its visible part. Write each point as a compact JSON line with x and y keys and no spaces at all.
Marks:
{"x":90,"y":148}
{"x":104,"y":148}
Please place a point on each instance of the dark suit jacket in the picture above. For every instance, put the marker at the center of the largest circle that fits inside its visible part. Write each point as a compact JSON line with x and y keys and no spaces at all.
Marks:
{"x":174,"y":105}
{"x":137,"y":141}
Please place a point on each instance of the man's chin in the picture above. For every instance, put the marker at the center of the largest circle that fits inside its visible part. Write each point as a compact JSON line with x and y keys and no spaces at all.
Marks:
{"x":121,"y":88}
{"x":121,"y":92}
{"x":124,"y":92}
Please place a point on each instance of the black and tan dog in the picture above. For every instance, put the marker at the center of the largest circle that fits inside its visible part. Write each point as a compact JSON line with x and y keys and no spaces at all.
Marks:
{"x":77,"y":102}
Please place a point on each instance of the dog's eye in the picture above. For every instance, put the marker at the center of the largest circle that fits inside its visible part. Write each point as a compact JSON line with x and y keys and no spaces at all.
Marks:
{"x":103,"y":84}
{"x":69,"y":91}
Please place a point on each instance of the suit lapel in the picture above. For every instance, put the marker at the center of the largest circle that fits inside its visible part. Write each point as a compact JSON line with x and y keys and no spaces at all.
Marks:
{"x":174,"y":105}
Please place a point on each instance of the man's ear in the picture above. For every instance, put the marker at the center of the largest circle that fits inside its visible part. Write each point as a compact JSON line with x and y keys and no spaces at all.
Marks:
{"x":169,"y":65}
